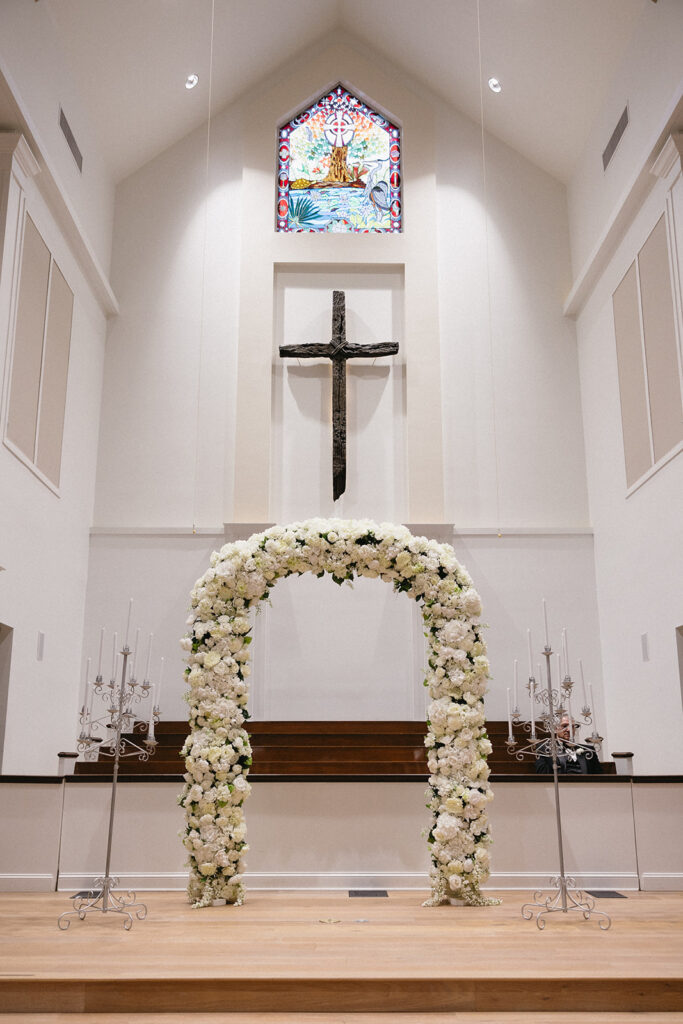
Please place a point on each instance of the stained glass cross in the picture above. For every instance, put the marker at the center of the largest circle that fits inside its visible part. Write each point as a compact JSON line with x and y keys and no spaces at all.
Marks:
{"x":338,"y":349}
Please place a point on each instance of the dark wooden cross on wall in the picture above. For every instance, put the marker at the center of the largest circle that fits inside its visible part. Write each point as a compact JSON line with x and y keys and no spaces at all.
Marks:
{"x":338,"y":349}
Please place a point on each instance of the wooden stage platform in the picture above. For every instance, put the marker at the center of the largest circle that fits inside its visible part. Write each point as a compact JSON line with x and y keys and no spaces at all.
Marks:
{"x":284,"y":955}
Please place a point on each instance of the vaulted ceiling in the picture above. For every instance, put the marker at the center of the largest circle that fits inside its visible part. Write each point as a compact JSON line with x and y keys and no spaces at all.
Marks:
{"x":555,"y":58}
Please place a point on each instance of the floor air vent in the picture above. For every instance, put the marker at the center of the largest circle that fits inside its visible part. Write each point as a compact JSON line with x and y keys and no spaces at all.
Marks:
{"x":70,"y":140}
{"x":615,"y":139}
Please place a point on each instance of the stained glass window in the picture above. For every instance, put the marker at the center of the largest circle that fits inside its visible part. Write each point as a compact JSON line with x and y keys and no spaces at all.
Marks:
{"x":339,"y":168}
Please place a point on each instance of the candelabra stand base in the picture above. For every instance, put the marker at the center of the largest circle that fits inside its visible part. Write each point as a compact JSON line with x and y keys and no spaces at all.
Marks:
{"x":104,"y":899}
{"x":565,"y":899}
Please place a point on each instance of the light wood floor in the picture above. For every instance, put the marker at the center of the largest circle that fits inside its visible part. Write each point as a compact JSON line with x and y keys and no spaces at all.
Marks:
{"x":324,"y":951}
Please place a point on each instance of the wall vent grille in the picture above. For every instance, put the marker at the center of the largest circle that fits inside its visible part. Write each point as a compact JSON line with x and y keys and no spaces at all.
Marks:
{"x":615,"y":138}
{"x":70,"y":140}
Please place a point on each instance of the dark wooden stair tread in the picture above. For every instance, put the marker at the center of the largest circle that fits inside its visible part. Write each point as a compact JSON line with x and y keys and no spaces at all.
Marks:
{"x":318,"y":748}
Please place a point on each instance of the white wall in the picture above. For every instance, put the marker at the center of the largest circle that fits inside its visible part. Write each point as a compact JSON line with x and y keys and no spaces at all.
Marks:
{"x":162,"y":452}
{"x":511,"y":393}
{"x":513,"y":573}
{"x":638,"y":540}
{"x":146,"y":472}
{"x":649,"y":81}
{"x":32,"y":811}
{"x":146,"y":475}
{"x":32,"y":59}
{"x":158,"y":572}
{"x":321,"y":651}
{"x":368,"y":835}
{"x":44,"y":541}
{"x":301,"y":434}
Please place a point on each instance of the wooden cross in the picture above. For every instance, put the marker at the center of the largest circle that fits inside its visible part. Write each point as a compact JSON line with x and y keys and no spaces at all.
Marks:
{"x":338,"y":349}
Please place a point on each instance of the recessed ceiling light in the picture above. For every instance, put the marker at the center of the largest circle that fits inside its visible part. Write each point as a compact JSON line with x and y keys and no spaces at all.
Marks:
{"x":191,"y":81}
{"x":494,"y":85}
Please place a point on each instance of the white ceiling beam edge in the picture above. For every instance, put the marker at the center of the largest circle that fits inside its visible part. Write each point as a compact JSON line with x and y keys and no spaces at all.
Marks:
{"x":47,"y":181}
{"x":633,"y":197}
{"x":236,"y":531}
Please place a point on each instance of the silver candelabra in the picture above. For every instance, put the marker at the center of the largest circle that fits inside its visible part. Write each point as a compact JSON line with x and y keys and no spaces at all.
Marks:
{"x":556,"y":704}
{"x":119,"y":718}
{"x":94,"y":747}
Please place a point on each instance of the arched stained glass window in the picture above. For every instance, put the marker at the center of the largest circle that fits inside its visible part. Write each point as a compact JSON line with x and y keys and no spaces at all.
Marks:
{"x":339,"y":168}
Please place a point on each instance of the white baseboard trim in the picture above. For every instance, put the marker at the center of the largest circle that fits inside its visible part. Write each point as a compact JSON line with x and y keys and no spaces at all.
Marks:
{"x":162,"y":880}
{"x":584,"y":880}
{"x":337,"y":880}
{"x":303,"y":880}
{"x":651,"y":881}
{"x":27,"y":883}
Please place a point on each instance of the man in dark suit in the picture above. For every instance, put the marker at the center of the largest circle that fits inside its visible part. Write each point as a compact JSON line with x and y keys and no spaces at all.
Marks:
{"x":572,"y":758}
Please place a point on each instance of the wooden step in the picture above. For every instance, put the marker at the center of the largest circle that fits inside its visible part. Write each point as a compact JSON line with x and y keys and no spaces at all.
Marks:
{"x":318,"y":748}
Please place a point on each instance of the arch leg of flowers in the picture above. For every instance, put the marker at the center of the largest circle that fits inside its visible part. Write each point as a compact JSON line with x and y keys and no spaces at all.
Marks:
{"x":217,"y":752}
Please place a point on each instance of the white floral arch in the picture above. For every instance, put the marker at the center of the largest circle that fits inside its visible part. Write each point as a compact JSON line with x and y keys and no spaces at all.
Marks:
{"x":217,"y":750}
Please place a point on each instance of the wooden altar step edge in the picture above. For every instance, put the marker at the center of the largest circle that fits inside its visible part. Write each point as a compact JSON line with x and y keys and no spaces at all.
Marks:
{"x":523,"y":1017}
{"x":288,"y":767}
{"x":320,"y":953}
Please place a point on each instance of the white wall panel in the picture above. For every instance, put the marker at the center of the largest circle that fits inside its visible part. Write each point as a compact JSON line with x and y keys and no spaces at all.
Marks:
{"x":44,"y":538}
{"x":638,"y":540}
{"x":658,"y":814}
{"x":301,"y":483}
{"x":343,"y":835}
{"x":31,"y":818}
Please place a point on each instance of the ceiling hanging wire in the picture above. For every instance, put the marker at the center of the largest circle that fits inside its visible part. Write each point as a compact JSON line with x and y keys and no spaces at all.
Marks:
{"x":203,"y":271}
{"x":492,"y":373}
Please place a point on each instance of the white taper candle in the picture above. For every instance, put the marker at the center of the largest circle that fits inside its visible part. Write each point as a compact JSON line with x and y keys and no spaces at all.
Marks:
{"x":531,"y":657}
{"x":89,"y":689}
{"x":583,"y":684}
{"x":509,"y":714}
{"x":130,"y":609}
{"x":135,"y":652}
{"x":161,"y":679}
{"x":532,"y":707}
{"x":569,"y":711}
{"x":150,"y":727}
{"x":516,"y":705}
{"x":114,"y":652}
{"x":545,"y":622}
{"x":149,"y":656}
{"x":592,"y":707}
{"x":99,"y":660}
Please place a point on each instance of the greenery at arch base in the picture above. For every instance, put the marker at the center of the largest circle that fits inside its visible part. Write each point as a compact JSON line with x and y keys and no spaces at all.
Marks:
{"x":217,"y":752}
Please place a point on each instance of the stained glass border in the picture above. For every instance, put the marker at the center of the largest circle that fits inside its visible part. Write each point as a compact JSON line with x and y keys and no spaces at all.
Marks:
{"x":333,"y":99}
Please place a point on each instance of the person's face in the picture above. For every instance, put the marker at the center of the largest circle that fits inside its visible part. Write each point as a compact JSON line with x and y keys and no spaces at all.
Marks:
{"x":564,"y":729}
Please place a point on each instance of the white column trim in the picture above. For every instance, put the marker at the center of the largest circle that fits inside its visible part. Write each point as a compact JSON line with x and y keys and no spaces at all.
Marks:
{"x":61,"y":208}
{"x":668,"y":163}
{"x":617,"y":223}
{"x":16,"y":153}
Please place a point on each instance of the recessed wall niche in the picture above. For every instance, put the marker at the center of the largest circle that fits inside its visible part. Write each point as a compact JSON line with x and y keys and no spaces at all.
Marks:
{"x":301,"y":466}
